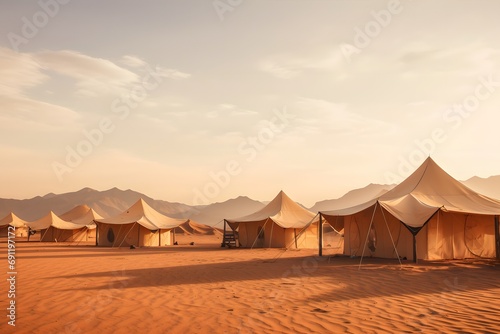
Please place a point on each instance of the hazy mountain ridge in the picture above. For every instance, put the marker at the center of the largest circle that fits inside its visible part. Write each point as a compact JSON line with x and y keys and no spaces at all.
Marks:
{"x":106,"y":203}
{"x":113,"y":201}
{"x":353,"y":197}
{"x":489,"y":186}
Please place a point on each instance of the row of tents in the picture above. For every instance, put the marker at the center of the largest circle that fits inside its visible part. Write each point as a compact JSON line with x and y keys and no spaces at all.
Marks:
{"x":430,"y":215}
{"x":140,"y":225}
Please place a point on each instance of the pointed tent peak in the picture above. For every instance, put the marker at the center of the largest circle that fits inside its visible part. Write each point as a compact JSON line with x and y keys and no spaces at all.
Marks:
{"x":76,"y":212}
{"x":429,"y":179}
{"x":283,"y":211}
{"x":16,"y":221}
{"x":140,"y":204}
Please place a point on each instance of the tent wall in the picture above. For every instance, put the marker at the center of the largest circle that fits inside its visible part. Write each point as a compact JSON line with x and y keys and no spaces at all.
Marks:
{"x":54,"y":234}
{"x":261,"y":235}
{"x":453,"y":235}
{"x":4,"y":231}
{"x":274,"y":236}
{"x":166,"y":238}
{"x":298,"y":238}
{"x":126,"y":235}
{"x":379,"y":243}
{"x":447,"y":235}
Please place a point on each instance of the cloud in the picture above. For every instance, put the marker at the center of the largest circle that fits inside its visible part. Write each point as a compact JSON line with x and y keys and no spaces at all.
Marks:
{"x":93,"y":75}
{"x":133,"y":61}
{"x":172,"y":73}
{"x":35,"y":111}
{"x":19,"y":71}
{"x":315,"y":115}
{"x":291,"y":66}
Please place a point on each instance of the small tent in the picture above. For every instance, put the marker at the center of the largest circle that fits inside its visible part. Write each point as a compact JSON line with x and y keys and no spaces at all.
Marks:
{"x":140,"y":225}
{"x":282,"y":224}
{"x":19,"y":225}
{"x":77,"y":228}
{"x":430,"y":215}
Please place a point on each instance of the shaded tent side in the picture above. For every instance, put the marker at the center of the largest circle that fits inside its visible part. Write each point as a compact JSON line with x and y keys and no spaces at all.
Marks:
{"x":282,"y":223}
{"x":52,"y":228}
{"x":140,"y":225}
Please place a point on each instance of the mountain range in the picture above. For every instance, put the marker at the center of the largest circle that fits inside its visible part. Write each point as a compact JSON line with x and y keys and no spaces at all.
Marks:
{"x":113,"y":201}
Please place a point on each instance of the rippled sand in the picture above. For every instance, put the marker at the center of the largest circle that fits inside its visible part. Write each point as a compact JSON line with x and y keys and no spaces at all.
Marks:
{"x":208,"y":289}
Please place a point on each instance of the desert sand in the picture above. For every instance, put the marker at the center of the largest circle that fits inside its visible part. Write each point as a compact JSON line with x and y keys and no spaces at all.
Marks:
{"x":203,"y":288}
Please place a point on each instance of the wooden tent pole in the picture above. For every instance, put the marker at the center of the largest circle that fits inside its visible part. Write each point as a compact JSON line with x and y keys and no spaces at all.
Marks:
{"x":497,"y":237}
{"x":224,"y":235}
{"x":320,"y":232}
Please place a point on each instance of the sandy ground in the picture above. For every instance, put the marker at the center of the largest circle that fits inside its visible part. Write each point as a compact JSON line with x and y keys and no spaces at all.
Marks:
{"x":208,"y":289}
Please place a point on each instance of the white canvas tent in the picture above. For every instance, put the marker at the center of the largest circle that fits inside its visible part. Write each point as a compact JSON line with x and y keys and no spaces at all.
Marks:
{"x":430,"y":215}
{"x":282,"y":223}
{"x":12,"y":220}
{"x":140,"y":225}
{"x":76,"y":227}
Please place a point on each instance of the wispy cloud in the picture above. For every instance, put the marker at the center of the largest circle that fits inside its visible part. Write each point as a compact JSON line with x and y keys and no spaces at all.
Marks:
{"x":290,"y":66}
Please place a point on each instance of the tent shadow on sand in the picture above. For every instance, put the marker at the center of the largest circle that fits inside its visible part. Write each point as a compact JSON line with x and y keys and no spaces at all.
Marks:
{"x":56,"y":251}
{"x":349,"y":283}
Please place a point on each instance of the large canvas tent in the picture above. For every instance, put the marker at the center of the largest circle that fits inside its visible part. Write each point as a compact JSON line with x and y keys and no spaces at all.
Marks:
{"x":140,"y":225}
{"x":282,"y":224}
{"x":430,"y":215}
{"x":77,"y":226}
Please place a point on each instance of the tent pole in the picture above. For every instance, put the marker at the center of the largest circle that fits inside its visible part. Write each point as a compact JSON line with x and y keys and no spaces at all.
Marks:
{"x":295,"y":237}
{"x":96,"y":234}
{"x":390,"y":235}
{"x":224,"y":235}
{"x":271,"y":236}
{"x":320,"y":232}
{"x":414,"y":247}
{"x":367,"y":235}
{"x":497,"y":236}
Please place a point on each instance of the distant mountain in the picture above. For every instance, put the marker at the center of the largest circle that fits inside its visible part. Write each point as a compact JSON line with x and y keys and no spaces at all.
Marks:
{"x":105,"y":203}
{"x":213,"y":214}
{"x":353,"y":197}
{"x":489,"y":186}
{"x":114,"y":201}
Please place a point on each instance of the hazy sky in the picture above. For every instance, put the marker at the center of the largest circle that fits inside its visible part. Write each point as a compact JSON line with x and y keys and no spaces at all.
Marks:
{"x":202,"y":101}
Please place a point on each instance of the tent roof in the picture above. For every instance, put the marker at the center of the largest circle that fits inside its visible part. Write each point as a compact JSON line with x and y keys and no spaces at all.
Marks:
{"x":283,"y":211}
{"x":144,"y":215}
{"x":12,"y":220}
{"x":81,"y":215}
{"x":76,"y":212}
{"x":426,"y":191}
{"x":432,"y":186}
{"x":350,"y":210}
{"x":51,"y":219}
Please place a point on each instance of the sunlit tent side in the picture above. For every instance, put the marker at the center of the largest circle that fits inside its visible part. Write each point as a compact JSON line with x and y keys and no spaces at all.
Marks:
{"x":281,"y":224}
{"x":140,"y":225}
{"x":21,"y":230}
{"x":430,"y":215}
{"x":53,"y":228}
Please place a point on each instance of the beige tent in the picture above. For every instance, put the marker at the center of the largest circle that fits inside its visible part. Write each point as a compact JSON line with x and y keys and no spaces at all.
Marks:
{"x":75,"y":225}
{"x":282,"y":223}
{"x":140,"y":225}
{"x":11,"y":219}
{"x":430,"y":215}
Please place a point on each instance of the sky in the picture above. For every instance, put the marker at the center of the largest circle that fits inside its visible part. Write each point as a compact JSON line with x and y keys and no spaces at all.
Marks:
{"x":202,"y":101}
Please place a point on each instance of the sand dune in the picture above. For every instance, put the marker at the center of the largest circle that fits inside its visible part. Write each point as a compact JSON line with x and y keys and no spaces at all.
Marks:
{"x":208,"y":289}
